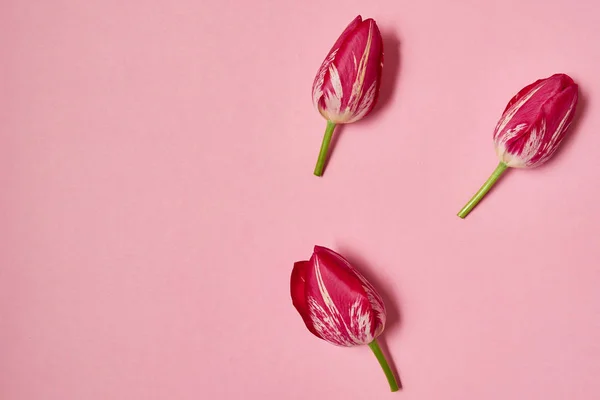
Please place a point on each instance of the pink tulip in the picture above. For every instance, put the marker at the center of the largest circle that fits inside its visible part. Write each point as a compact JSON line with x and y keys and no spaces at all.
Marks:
{"x":532,"y":127}
{"x":338,"y":304}
{"x":347,"y":85}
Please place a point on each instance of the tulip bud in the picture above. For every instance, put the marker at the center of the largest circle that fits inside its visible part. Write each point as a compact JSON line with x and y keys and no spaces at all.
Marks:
{"x":338,"y":304}
{"x":347,"y":85}
{"x":532,"y":127}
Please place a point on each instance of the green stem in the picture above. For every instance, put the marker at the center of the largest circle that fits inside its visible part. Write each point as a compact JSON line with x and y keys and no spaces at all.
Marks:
{"x":484,"y":189}
{"x":384,"y":365}
{"x":324,"y":148}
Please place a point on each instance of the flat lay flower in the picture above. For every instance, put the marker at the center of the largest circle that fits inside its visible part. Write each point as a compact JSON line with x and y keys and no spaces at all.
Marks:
{"x":338,"y":305}
{"x":346,"y":87}
{"x":531,"y":128}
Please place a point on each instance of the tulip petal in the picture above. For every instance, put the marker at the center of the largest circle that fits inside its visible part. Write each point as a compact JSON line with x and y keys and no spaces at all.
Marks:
{"x":367,"y":69}
{"x":347,"y":32}
{"x":298,"y":291}
{"x":339,"y":305}
{"x":324,"y":70}
{"x":556,"y":124}
{"x":522,"y":93}
{"x":331,"y":293}
{"x":375,"y":300}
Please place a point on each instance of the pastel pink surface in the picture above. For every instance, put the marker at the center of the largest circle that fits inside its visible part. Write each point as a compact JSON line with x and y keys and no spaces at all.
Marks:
{"x":156,"y":170}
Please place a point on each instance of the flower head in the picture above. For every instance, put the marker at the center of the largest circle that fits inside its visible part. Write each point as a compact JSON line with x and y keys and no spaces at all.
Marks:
{"x":347,"y":84}
{"x":335,"y":301}
{"x":535,"y":122}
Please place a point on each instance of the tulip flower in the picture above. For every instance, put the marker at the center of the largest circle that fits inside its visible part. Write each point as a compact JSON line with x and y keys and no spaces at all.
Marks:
{"x":532,"y":127}
{"x":347,"y":85}
{"x":338,"y":304}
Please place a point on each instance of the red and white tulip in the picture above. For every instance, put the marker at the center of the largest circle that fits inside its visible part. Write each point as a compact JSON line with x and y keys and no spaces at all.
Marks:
{"x":338,"y":304}
{"x":531,"y":129}
{"x":347,"y":85}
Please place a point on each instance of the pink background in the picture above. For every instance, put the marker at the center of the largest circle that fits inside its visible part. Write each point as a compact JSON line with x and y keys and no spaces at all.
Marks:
{"x":156,"y":172}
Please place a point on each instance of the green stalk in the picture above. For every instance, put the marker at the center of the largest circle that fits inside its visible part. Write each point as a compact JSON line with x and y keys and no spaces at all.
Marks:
{"x":384,"y":365}
{"x":484,"y":189}
{"x":324,"y":148}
